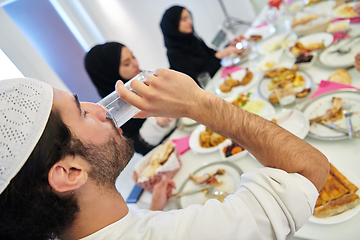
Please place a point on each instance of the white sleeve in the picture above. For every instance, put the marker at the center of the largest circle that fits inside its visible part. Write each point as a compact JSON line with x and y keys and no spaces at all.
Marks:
{"x":152,"y":133}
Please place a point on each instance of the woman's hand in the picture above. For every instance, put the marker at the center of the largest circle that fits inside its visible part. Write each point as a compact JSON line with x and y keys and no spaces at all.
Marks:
{"x":357,"y":61}
{"x":228,"y":51}
{"x":356,"y":8}
{"x":163,"y":121}
{"x":161,"y":193}
{"x":236,"y":40}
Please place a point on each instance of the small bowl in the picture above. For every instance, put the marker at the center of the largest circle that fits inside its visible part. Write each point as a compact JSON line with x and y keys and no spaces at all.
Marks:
{"x":306,"y":65}
{"x":226,"y":143}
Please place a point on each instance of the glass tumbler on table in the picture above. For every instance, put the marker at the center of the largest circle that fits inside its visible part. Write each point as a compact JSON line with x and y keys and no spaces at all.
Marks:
{"x":285,"y":93}
{"x":117,"y":109}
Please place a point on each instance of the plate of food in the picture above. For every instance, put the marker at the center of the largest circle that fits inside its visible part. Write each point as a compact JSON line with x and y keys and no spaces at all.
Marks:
{"x":204,"y":140}
{"x":225,"y":175}
{"x":301,"y":82}
{"x":305,"y":23}
{"x":252,"y":103}
{"x":345,"y":11}
{"x":264,"y":32}
{"x":237,"y":82}
{"x":338,"y":200}
{"x":311,"y":43}
{"x":280,"y":41}
{"x":331,"y":59}
{"x":292,"y":120}
{"x":327,"y":108}
{"x":230,"y":150}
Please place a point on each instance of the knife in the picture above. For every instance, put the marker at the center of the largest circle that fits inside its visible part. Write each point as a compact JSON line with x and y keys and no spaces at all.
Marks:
{"x":339,"y":129}
{"x":193,"y":191}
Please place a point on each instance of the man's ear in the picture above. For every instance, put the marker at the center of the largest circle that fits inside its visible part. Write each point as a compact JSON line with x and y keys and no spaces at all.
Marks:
{"x":68,"y":174}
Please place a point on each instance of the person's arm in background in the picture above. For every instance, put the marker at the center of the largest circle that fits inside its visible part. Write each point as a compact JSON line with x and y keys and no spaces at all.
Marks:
{"x":172,"y":94}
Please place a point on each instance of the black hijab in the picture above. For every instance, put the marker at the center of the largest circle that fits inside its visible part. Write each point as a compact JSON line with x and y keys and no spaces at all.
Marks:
{"x":102,"y":64}
{"x":186,"y":53}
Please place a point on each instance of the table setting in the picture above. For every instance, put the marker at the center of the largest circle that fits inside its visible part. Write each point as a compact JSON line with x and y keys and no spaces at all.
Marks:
{"x":252,"y":83}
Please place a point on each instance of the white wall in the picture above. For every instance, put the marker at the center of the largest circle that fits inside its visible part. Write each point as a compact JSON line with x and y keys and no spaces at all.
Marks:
{"x":135,"y":23}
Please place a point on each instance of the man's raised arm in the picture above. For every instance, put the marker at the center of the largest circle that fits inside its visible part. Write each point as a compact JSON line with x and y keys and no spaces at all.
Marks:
{"x":173,"y":94}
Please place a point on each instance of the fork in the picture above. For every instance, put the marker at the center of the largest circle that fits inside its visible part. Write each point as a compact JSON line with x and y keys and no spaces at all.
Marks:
{"x":348,"y":112}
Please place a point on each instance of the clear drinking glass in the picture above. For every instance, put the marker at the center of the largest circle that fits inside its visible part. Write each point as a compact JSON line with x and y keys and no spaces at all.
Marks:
{"x":117,"y":109}
{"x":204,"y":79}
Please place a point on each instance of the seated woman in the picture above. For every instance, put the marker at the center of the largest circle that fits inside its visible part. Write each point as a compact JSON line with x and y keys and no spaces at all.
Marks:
{"x":186,"y":51}
{"x":112,"y":61}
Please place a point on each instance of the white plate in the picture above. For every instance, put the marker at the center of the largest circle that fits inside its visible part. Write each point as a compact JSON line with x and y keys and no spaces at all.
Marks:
{"x":274,"y":58}
{"x":239,"y":75}
{"x":339,"y":15}
{"x":268,"y":107}
{"x":231,"y":180}
{"x":195,"y":144}
{"x":268,"y":45}
{"x":265,"y":92}
{"x":342,"y":217}
{"x":320,"y":104}
{"x":265,"y":31}
{"x":335,"y":60}
{"x":297,"y":123}
{"x":236,"y":156}
{"x":187,"y":121}
{"x":326,"y":38}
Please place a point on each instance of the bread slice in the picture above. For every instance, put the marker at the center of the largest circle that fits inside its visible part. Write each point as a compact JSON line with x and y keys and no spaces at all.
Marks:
{"x":343,"y":180}
{"x":334,"y":207}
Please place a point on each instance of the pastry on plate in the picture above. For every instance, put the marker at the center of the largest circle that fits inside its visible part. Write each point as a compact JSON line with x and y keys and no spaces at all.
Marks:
{"x":341,"y":76}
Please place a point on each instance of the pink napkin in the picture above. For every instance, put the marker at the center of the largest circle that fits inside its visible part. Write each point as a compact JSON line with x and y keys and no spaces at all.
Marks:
{"x":352,"y":20}
{"x":327,"y":86}
{"x":182,"y":144}
{"x":229,"y":70}
{"x":340,"y":35}
{"x":260,"y":25}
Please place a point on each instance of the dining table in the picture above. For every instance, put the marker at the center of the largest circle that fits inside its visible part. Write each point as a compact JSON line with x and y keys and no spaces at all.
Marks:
{"x":341,"y":152}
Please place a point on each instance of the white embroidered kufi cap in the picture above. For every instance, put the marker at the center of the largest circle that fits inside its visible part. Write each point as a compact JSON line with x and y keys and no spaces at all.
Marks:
{"x":25,"y":106}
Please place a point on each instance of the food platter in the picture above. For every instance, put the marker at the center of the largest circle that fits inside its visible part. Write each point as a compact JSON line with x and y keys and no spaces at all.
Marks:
{"x":342,"y":217}
{"x":239,"y":75}
{"x":294,"y":122}
{"x":335,"y":60}
{"x":266,"y":110}
{"x":319,"y":105}
{"x":265,"y":92}
{"x":195,"y":144}
{"x":231,"y":182}
{"x":338,"y":14}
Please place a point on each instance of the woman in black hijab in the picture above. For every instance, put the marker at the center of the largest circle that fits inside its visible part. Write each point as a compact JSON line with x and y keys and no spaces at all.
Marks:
{"x":186,"y":51}
{"x":112,"y":61}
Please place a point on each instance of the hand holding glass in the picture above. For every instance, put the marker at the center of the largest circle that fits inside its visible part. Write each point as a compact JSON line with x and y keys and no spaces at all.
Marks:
{"x":117,"y":109}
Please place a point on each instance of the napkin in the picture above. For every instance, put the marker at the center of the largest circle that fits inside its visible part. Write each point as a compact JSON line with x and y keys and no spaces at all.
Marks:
{"x":340,"y":35}
{"x":229,"y":70}
{"x":328,"y":86}
{"x":182,"y":144}
{"x":352,"y":20}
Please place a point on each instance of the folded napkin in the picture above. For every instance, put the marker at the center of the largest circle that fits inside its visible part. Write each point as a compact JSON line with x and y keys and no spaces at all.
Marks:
{"x":260,"y":25}
{"x":229,"y":70}
{"x":328,"y":86}
{"x":352,"y":20}
{"x":182,"y":144}
{"x":340,"y":35}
